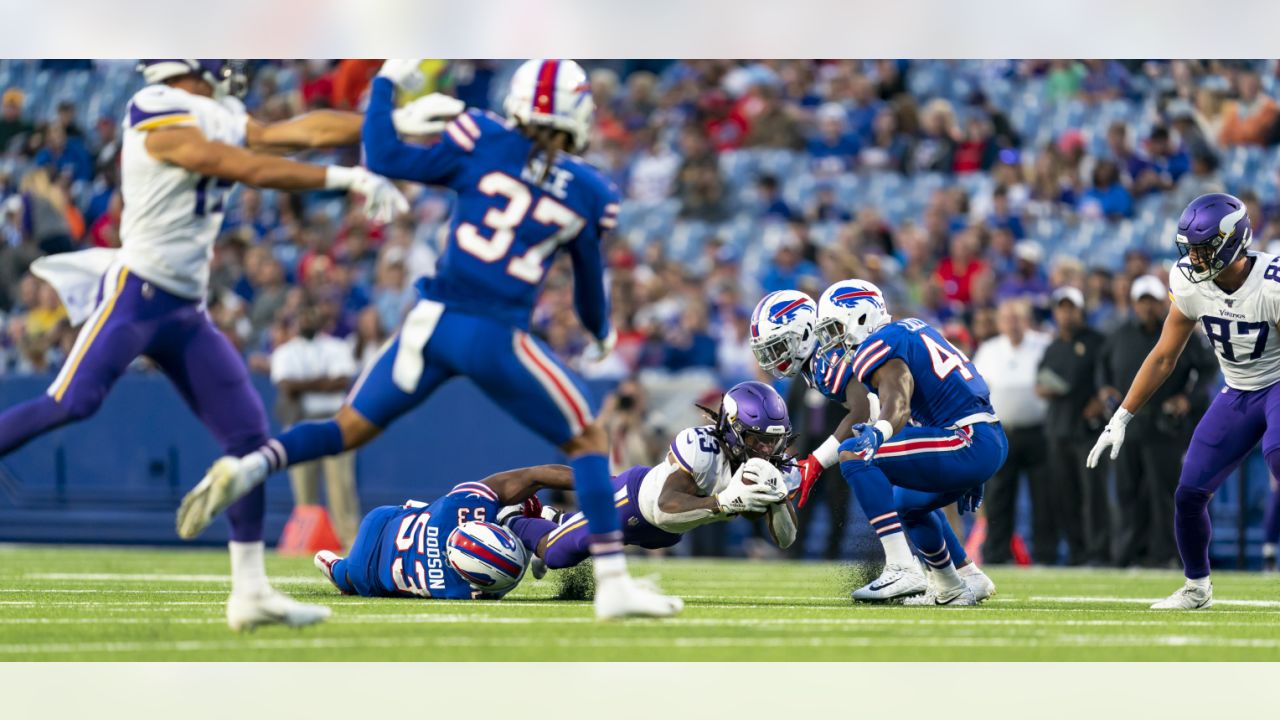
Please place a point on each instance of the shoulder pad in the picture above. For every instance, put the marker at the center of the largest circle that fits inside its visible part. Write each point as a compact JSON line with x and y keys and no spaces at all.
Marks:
{"x":158,"y":106}
{"x":695,"y":449}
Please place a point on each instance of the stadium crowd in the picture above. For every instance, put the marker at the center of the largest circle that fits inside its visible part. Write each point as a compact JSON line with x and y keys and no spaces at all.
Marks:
{"x":997,"y":197}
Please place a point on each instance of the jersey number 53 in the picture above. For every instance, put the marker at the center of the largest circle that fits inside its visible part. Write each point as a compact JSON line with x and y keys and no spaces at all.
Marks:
{"x":503,"y":221}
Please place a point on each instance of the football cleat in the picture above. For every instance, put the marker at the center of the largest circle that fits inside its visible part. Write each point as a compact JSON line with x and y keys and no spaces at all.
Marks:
{"x":1187,"y":597}
{"x":623,"y":596}
{"x":247,"y":610}
{"x":537,"y":568}
{"x":958,"y":596}
{"x":225,"y":483}
{"x":896,"y":581}
{"x":978,"y":582}
{"x":325,"y":560}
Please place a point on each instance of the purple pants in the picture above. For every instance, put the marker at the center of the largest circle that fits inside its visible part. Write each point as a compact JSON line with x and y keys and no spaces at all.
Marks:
{"x":568,"y":544}
{"x":134,"y":317}
{"x":1230,"y":429}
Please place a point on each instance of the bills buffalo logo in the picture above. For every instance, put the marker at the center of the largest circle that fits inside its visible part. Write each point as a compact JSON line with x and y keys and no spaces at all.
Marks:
{"x":852,"y":296}
{"x":786,"y":311}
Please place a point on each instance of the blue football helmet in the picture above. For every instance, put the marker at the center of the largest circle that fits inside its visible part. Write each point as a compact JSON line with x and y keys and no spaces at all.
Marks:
{"x":1213,"y":232}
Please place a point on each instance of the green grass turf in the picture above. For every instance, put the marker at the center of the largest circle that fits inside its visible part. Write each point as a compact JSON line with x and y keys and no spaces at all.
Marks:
{"x":77,"y":603}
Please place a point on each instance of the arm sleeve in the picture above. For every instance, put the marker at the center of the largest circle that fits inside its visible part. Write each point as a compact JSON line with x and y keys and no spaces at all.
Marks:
{"x":387,"y":155}
{"x":590,"y":296}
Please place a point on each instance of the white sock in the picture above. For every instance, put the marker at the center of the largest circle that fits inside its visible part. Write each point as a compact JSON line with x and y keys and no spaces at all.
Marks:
{"x":256,"y":467}
{"x":248,"y":567}
{"x":609,"y":566}
{"x":945,"y":578}
{"x":969,"y":570}
{"x":1202,"y":583}
{"x":1268,"y":550}
{"x":896,"y":550}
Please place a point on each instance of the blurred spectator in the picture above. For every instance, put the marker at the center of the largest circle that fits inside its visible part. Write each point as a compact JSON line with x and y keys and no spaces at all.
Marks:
{"x":1067,"y":379}
{"x":13,"y":126}
{"x":65,"y":154}
{"x":1027,"y":279}
{"x":834,"y":148}
{"x":1147,"y":477}
{"x":1161,"y":167}
{"x":1108,"y":197}
{"x":653,"y":174}
{"x":311,"y":372}
{"x":789,"y":268}
{"x":1009,"y":363}
{"x":772,"y":206}
{"x":45,"y":214}
{"x":958,"y":269}
{"x":690,"y":345}
{"x":392,"y":293}
{"x":1250,"y":119}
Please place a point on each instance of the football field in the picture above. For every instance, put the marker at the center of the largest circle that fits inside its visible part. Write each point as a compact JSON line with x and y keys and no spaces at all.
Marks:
{"x":78,"y":603}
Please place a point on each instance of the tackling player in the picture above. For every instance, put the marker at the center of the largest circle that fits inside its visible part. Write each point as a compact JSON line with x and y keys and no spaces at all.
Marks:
{"x":1234,"y":295}
{"x":522,"y":197}
{"x":186,"y":143}
{"x":785,"y":338}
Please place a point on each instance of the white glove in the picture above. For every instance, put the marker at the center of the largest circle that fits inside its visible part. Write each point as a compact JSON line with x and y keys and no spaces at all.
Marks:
{"x":427,"y":115}
{"x":766,"y":488}
{"x":1112,"y":436}
{"x":601,"y":347}
{"x":382,"y":200}
{"x":406,"y":74}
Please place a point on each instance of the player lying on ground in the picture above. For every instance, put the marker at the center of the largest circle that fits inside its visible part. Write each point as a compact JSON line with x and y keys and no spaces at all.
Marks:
{"x":187,"y":141}
{"x":712,"y":473}
{"x":902,"y":473}
{"x":522,"y":197}
{"x":785,"y":342}
{"x":1235,"y":295}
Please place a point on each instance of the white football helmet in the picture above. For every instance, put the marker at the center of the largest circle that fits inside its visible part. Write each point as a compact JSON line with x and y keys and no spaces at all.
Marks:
{"x":489,"y":557}
{"x":848,"y":312}
{"x":554,"y":93}
{"x":782,"y":332}
{"x":226,"y":76}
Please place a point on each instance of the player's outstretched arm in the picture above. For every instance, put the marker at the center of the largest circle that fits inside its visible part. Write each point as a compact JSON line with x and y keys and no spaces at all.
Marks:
{"x":516,"y":486}
{"x":319,"y":129}
{"x":1154,"y":371}
{"x":386,"y":154}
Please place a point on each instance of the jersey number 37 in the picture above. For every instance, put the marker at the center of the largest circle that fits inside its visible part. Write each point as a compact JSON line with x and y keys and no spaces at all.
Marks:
{"x":503,"y":221}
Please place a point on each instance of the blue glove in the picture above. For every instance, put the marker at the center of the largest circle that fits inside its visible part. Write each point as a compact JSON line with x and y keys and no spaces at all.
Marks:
{"x":971,"y":500}
{"x":866,"y":439}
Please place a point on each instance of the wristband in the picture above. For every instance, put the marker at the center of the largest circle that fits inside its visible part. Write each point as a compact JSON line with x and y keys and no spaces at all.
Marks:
{"x":885,"y":427}
{"x":1122,"y":416}
{"x":337,"y":177}
{"x":828,"y":452}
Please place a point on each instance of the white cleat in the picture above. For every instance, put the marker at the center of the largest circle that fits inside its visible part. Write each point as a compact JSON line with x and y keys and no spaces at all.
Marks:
{"x":246,"y":611}
{"x":324,"y":561}
{"x":896,"y":581}
{"x":978,"y":582}
{"x":623,"y":596}
{"x":222,"y":485}
{"x":1187,"y":597}
{"x":959,"y":596}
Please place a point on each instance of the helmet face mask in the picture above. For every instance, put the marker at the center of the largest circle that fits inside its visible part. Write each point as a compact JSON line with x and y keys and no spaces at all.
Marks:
{"x":848,"y":312}
{"x":782,"y":337}
{"x":225,"y":77}
{"x":752,"y":423}
{"x":830,"y":333}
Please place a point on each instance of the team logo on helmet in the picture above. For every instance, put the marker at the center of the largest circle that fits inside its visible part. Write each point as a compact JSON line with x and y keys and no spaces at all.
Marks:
{"x":782,"y":313}
{"x":854,"y":295}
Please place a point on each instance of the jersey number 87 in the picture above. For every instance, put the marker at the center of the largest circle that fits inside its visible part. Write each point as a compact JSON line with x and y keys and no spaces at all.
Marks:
{"x":504,"y":221}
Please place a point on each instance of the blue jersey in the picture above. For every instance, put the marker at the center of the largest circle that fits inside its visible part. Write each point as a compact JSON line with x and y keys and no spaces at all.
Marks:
{"x":410,"y":557}
{"x":948,"y":387}
{"x":509,"y":221}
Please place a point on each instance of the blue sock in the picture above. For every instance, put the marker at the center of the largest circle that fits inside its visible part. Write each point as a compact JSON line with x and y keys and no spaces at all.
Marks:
{"x":305,"y":442}
{"x":246,"y":515}
{"x":954,"y":546}
{"x":874,"y":493}
{"x":926,"y":534}
{"x":530,"y":531}
{"x":595,"y":493}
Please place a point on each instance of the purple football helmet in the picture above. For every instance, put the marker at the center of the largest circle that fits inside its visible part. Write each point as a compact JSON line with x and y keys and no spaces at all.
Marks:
{"x":1213,"y":232}
{"x":753,"y":422}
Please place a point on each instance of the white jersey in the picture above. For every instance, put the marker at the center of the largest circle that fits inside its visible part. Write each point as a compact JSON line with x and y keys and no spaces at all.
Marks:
{"x":697,"y":451}
{"x":171,"y":216}
{"x":1241,"y":326}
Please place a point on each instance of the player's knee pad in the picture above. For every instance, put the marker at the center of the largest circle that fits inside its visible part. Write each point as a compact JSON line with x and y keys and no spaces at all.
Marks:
{"x":1191,"y":500}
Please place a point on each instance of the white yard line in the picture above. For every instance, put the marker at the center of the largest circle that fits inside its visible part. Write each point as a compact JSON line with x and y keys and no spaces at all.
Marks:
{"x":1147,"y":601}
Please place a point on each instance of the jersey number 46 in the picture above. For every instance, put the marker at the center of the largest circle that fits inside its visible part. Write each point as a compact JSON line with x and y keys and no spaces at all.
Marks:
{"x":503,"y":221}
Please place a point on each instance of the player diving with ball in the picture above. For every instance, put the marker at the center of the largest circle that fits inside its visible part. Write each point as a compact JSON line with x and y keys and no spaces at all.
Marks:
{"x":474,"y":542}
